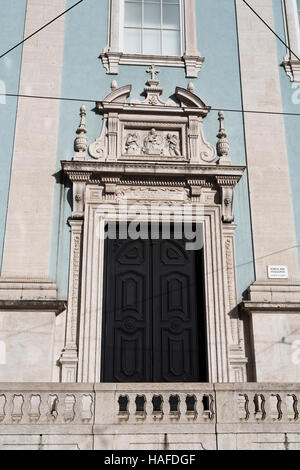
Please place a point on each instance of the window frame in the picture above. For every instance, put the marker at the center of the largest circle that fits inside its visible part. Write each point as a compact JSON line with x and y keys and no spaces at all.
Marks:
{"x":292,"y":33}
{"x":113,"y":55}
{"x":159,"y":27}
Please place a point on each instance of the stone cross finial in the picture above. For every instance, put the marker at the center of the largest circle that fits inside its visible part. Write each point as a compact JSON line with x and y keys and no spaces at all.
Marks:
{"x":191,"y":87}
{"x":221,"y":119}
{"x":82,"y":115}
{"x":114,"y":85}
{"x":153,"y":72}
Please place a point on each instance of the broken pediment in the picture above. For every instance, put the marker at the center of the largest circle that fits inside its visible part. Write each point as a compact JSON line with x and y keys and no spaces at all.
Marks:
{"x":151,"y":129}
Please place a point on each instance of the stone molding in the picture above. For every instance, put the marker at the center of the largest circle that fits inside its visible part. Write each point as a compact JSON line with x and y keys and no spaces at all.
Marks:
{"x":110,"y":176}
{"x":113,"y":55}
{"x":56,"y":306}
{"x":17,"y":288}
{"x":271,"y":246}
{"x":270,"y":307}
{"x":292,"y":32}
{"x":69,"y":356}
{"x":96,"y":215}
{"x":151,"y":151}
{"x":271,"y":291}
{"x":31,"y":195}
{"x":237,"y":357}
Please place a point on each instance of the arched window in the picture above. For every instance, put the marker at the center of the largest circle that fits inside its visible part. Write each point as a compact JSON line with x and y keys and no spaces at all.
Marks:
{"x":162,"y":32}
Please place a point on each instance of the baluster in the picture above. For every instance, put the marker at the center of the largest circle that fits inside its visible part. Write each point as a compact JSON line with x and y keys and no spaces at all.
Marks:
{"x":291,"y":408}
{"x":243,"y":407}
{"x":34,"y":412}
{"x":69,"y":408}
{"x":266,"y":407}
{"x":61,"y":408}
{"x":84,"y":407}
{"x":259,"y":405}
{"x":44,"y":408}
{"x":17,"y":408}
{"x":148,"y":407}
{"x":182,"y":407}
{"x":131,"y":407}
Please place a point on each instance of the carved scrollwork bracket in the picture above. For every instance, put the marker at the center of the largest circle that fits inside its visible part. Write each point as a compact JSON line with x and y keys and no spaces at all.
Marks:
{"x":78,"y":200}
{"x":226,"y":185}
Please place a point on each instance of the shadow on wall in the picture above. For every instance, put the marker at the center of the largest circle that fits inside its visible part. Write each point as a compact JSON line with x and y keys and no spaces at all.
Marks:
{"x":65,"y":185}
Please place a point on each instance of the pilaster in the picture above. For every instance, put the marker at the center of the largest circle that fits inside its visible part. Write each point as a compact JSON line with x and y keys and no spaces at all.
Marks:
{"x":273,"y":224}
{"x":69,"y":356}
{"x":27,"y":244}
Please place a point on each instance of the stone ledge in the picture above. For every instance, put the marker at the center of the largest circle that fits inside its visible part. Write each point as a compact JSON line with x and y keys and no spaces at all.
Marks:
{"x":56,"y":306}
{"x":17,"y":288}
{"x":150,"y":169}
{"x":275,"y":292}
{"x":270,"y":307}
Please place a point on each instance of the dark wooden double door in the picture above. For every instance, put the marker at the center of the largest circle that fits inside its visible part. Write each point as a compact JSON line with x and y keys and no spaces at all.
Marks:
{"x":153,"y":312}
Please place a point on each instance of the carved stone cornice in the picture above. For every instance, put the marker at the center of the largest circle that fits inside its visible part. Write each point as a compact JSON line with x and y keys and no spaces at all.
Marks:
{"x":152,"y":173}
{"x":195,"y":178}
{"x":227,"y":180}
{"x":79,"y":176}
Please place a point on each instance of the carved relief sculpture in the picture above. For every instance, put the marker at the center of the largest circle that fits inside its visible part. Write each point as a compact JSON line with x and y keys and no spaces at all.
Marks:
{"x":131,"y":144}
{"x":174,"y":130}
{"x":153,"y":144}
{"x":173,"y":145}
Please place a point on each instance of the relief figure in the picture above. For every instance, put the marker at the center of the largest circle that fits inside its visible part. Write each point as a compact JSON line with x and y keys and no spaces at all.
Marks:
{"x":131,"y":144}
{"x":173,"y":145}
{"x":153,"y":143}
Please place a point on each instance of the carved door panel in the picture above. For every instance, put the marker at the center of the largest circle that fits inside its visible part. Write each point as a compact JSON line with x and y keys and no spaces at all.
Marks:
{"x":153,"y":313}
{"x":127,"y":336}
{"x":176,"y":309}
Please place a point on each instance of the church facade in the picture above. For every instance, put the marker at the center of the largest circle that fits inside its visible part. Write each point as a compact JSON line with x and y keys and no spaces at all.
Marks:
{"x":150,"y":225}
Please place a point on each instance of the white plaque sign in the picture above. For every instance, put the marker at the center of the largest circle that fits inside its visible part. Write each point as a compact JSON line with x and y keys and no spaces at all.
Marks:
{"x":278,"y":272}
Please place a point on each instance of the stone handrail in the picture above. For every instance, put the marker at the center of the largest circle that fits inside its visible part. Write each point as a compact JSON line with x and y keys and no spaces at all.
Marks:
{"x":244,"y":405}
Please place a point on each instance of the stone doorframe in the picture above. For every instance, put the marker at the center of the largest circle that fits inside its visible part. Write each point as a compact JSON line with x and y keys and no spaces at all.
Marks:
{"x":151,"y":151}
{"x":97,"y":192}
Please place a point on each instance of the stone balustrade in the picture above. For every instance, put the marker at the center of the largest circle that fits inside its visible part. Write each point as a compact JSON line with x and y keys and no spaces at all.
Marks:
{"x":115,"y":414}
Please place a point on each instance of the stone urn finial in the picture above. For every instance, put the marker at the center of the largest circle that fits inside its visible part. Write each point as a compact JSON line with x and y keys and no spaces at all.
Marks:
{"x":223,"y":144}
{"x":80,"y":144}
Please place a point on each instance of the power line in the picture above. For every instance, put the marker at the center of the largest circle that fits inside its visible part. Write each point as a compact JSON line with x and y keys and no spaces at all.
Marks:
{"x":40,"y":29}
{"x":86,"y":100}
{"x":272,"y":30}
{"x":136,"y":105}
